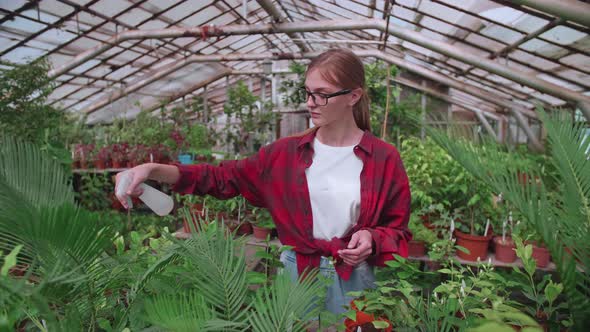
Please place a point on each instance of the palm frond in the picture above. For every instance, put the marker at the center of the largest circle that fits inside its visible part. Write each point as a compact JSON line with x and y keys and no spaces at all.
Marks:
{"x":560,"y":223}
{"x":62,"y":245}
{"x":39,"y":179}
{"x":220,"y":271}
{"x":285,"y":306}
{"x":568,"y":147}
{"x":185,"y":312}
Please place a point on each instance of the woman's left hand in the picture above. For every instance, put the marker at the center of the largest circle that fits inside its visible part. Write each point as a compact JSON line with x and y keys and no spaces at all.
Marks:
{"x":359,"y":248}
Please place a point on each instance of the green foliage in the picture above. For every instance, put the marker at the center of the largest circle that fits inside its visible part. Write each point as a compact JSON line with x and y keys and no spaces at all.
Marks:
{"x":95,"y":191}
{"x":247,"y":127}
{"x":560,"y":222}
{"x":289,"y":87}
{"x":435,"y":178}
{"x":421,"y":232}
{"x":75,"y":272}
{"x":544,"y":293}
{"x":284,"y":306}
{"x":262,"y":218}
{"x":23,"y":110}
{"x":401,"y":119}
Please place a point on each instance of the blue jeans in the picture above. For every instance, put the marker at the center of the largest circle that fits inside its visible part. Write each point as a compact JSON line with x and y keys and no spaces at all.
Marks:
{"x":362,"y":278}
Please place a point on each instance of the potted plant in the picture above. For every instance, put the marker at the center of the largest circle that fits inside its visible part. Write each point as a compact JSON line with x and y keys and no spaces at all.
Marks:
{"x":84,"y":153}
{"x":102,"y":157}
{"x":137,"y":155}
{"x":475,"y":234}
{"x":119,"y":155}
{"x":504,"y":246}
{"x":544,"y":293}
{"x":422,"y":237}
{"x":262,"y":224}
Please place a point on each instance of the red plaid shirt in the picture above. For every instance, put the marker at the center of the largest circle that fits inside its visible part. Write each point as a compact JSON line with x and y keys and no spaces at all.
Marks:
{"x":274,"y":178}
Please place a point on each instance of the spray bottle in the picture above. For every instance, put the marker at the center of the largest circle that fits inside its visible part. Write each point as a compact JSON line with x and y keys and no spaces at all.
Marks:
{"x":156,"y":200}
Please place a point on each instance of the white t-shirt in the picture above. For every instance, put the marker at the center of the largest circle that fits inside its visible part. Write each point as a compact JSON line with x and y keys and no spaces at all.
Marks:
{"x":333,"y":180}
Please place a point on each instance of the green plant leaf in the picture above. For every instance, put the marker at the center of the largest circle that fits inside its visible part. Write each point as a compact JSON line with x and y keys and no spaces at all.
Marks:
{"x":10,"y":260}
{"x":379,"y":324}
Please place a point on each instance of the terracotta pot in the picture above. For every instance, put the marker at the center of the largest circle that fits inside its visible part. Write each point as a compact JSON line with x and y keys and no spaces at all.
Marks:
{"x":541,"y":256}
{"x":416,"y":248}
{"x":433,"y":265}
{"x":505,"y":251}
{"x":118,"y":164}
{"x":260,"y":233}
{"x":476,"y":244}
{"x":100,"y":164}
{"x":244,"y":228}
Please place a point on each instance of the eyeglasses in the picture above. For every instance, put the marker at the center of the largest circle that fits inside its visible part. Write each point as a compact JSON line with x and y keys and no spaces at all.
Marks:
{"x":318,"y":98}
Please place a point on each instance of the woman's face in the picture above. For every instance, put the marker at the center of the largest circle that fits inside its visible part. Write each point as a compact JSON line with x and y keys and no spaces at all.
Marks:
{"x":336,"y":109}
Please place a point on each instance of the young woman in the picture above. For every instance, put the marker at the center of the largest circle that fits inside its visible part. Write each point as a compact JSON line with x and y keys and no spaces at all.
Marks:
{"x":337,"y":194}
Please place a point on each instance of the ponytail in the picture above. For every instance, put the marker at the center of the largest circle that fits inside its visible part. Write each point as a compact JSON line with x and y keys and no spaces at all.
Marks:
{"x":360,"y":112}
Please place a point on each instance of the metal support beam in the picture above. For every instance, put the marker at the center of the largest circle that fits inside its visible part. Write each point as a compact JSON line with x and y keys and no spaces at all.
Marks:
{"x":444,"y":97}
{"x":167,"y":69}
{"x":205,"y":106}
{"x":278,"y":17}
{"x":332,"y":25}
{"x":479,"y":113}
{"x":170,"y":68}
{"x":572,"y":10}
{"x":486,"y":125}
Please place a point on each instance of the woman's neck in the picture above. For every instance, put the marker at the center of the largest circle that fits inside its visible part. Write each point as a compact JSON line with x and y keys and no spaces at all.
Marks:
{"x":340,"y":134}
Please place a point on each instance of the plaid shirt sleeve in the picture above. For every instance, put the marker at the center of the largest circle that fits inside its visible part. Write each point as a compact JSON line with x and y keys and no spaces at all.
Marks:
{"x":229,"y":179}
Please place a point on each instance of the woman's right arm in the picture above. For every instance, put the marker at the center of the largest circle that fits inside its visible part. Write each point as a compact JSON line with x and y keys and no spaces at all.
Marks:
{"x":150,"y":171}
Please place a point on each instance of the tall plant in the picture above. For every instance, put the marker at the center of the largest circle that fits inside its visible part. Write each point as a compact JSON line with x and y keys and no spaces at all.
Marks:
{"x":562,"y":223}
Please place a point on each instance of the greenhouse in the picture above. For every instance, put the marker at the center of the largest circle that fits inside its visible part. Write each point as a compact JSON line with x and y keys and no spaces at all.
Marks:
{"x":310,"y":165}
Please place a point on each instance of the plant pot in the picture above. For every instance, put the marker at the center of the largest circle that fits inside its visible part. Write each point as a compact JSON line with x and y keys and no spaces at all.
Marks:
{"x":476,"y":244}
{"x":118,"y":164}
{"x":244,"y":228}
{"x":433,"y":265}
{"x":185,"y":159}
{"x":260,"y":232}
{"x":416,"y":248}
{"x":76,"y":164}
{"x":100,"y":164}
{"x":541,"y":255}
{"x":504,"y":250}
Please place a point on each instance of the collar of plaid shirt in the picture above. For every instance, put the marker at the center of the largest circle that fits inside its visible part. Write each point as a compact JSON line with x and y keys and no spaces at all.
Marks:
{"x":275,"y":178}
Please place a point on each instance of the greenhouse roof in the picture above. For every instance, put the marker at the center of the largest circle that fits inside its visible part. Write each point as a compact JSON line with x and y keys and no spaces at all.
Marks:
{"x":109,"y":57}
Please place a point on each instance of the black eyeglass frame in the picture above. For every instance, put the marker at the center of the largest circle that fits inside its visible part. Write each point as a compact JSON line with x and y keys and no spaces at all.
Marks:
{"x":326,"y":96}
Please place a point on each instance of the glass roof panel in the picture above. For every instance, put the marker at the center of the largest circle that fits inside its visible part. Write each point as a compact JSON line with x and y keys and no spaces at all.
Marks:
{"x":186,"y":8}
{"x":23,"y":54}
{"x":201,"y":17}
{"x":563,"y":35}
{"x":437,"y":10}
{"x":134,"y":16}
{"x":577,"y":60}
{"x":541,"y":47}
{"x":110,"y":8}
{"x":23,"y":24}
{"x":11,"y":5}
